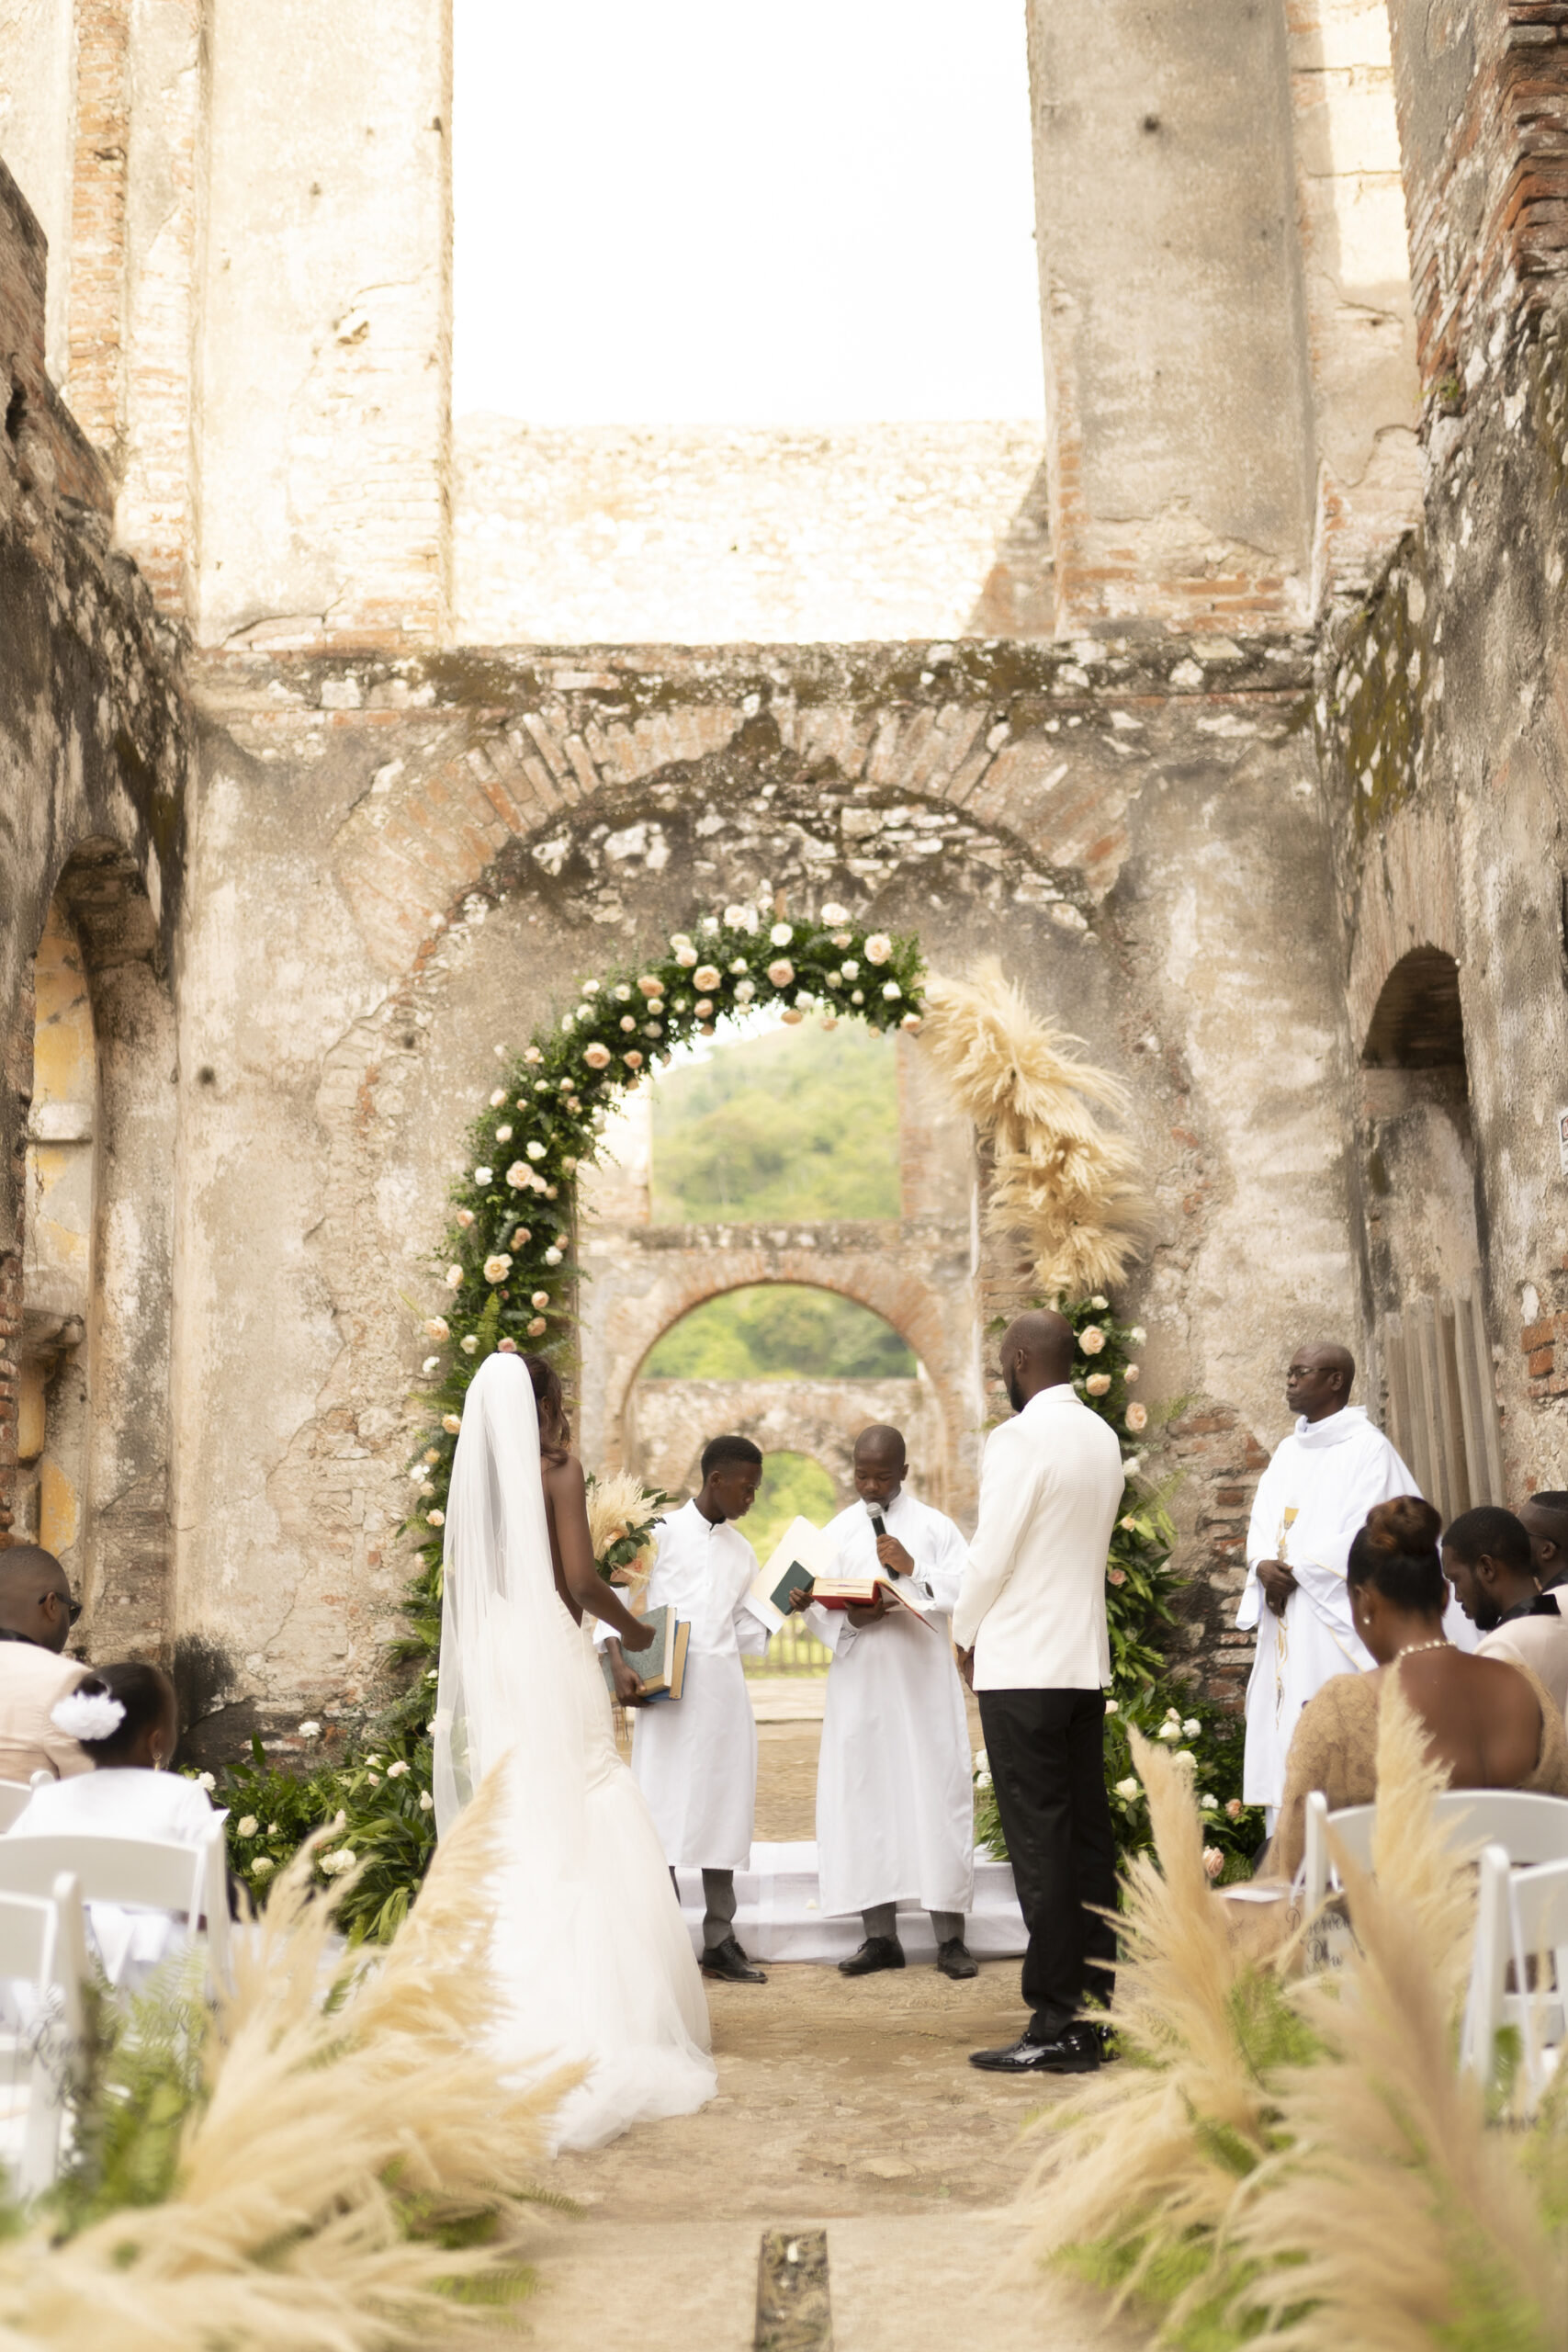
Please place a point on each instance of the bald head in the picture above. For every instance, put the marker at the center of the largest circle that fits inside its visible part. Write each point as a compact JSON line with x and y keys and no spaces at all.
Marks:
{"x":1319,"y":1381}
{"x":1036,"y":1353}
{"x":1545,"y":1521}
{"x":880,"y":1466}
{"x":35,"y":1596}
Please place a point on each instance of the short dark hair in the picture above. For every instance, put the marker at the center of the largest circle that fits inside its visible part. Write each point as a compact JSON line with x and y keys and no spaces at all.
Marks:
{"x":1555,"y":1498}
{"x":721,"y":1450}
{"x":1494,"y":1531}
{"x":1396,"y":1552}
{"x":145,"y":1691}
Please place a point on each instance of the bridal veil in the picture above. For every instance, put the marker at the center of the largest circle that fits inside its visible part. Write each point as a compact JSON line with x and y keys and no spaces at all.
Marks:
{"x":590,"y":1944}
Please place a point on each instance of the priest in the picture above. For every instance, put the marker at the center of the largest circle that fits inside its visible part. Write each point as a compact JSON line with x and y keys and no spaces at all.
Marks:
{"x":1323,"y":1480}
{"x":894,"y":1799}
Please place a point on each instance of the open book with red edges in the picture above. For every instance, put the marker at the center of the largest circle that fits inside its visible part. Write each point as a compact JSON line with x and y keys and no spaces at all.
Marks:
{"x":860,"y":1592}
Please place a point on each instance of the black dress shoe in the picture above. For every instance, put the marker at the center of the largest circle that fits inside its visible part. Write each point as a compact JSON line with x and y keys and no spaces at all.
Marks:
{"x":1074,"y":2051}
{"x":877,"y":1951}
{"x":727,"y":1960}
{"x":955,"y":1959}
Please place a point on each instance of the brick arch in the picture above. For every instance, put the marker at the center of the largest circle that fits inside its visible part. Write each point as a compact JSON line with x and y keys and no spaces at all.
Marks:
{"x":1408,"y":903}
{"x":410,"y":852}
{"x":902,"y":1274}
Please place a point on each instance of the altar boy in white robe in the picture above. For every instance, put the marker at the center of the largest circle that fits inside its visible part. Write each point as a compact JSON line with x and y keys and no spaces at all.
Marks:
{"x":1323,"y":1480}
{"x":894,"y":1800}
{"x":694,"y":1757}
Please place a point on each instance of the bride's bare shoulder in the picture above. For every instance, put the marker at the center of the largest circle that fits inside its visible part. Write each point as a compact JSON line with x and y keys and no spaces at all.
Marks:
{"x":563,"y":1475}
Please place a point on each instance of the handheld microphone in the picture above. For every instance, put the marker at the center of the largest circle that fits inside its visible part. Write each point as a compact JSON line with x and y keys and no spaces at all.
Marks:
{"x":878,"y":1524}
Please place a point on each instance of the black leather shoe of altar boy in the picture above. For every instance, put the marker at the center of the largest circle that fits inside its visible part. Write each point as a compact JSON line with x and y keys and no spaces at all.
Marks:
{"x":727,"y":1960}
{"x":1074,"y":2051}
{"x":877,"y":1951}
{"x":955,"y":1959}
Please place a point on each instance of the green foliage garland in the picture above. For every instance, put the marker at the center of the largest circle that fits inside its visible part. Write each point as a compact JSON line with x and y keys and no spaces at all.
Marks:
{"x":506,"y":1261}
{"x":1141,"y":1586}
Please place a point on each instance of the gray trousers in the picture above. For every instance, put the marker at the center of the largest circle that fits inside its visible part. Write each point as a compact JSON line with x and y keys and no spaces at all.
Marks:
{"x":718,"y":1902}
{"x":882,"y":1919}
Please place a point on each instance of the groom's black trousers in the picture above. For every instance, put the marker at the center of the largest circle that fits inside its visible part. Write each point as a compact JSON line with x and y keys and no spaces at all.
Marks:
{"x":1046,"y":1753}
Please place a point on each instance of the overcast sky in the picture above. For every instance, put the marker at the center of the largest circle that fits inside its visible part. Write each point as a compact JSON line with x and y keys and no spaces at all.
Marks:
{"x":690,"y":211}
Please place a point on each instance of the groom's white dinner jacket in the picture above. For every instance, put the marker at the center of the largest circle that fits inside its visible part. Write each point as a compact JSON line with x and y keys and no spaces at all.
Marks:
{"x":1032,"y":1606}
{"x":696,"y":1756}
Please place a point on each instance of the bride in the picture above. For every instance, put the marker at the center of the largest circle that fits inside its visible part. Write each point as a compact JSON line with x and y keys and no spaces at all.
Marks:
{"x":589,"y":1931}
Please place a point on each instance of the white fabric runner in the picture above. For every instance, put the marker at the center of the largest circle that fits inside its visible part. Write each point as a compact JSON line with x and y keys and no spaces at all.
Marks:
{"x":778,"y":1915}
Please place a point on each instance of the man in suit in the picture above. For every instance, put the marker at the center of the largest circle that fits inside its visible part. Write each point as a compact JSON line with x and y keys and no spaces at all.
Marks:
{"x":36,"y":1613}
{"x":1029,"y":1629}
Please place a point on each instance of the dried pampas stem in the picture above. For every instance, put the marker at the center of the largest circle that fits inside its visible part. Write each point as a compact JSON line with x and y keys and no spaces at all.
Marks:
{"x":616,"y":1503}
{"x":1063,"y":1182}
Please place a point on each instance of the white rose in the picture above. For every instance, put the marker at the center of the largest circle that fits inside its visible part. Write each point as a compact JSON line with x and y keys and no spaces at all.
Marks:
{"x":1098,"y":1304}
{"x":1128,"y":1788}
{"x":982,"y":1761}
{"x":468,"y":1343}
{"x":832,"y":913}
{"x":552,"y":1257}
{"x":780,"y":935}
{"x":1136,"y":1418}
{"x":590,"y":987}
{"x":911,"y":1021}
{"x":263,"y":1864}
{"x":1131,"y":1374}
{"x":498,"y":1268}
{"x":568,"y":1021}
{"x":1208,"y":1804}
{"x":707,"y":976}
{"x":430,"y":1364}
{"x":1138,"y":1334}
{"x":851,"y":970}
{"x":498,"y":1098}
{"x":891,"y":990}
{"x":878,"y":947}
{"x":781,"y":971}
{"x":451,"y":1423}
{"x":685,"y":956}
{"x":438,"y":1327}
{"x":435,"y":1518}
{"x":205,"y":1781}
{"x":482,"y":1176}
{"x":336,"y":1865}
{"x":398,"y":1771}
{"x":1214,"y":1862}
{"x":1185,"y":1755}
{"x":1099,"y":1384}
{"x":426,"y":1802}
{"x":464,"y":1218}
{"x":427,"y":1490}
{"x":735,"y":918}
{"x":536,"y":1150}
{"x":744,"y":991}
{"x":1191,"y":1728}
{"x":1112,"y":1708}
{"x":454,"y":1278}
{"x":858,"y":997}
{"x":623,"y":993}
{"x":1168,"y":1730}
{"x":1091,"y":1339}
{"x":248,"y":1826}
{"x":504,"y":1134}
{"x":310,"y":1730}
{"x":1129,"y":1522}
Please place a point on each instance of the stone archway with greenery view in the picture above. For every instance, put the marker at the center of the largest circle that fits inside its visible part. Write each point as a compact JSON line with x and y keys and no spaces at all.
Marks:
{"x":1056,"y":1179}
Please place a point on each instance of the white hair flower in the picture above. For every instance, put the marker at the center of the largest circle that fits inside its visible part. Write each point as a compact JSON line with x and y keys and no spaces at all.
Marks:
{"x":1136,"y":1418}
{"x":780,"y":935}
{"x":247,"y":1826}
{"x":1091,"y":1339}
{"x":597,"y":1056}
{"x":878,"y":947}
{"x":469,"y":1342}
{"x":310,"y":1730}
{"x":1128,"y":1788}
{"x":88,"y":1715}
{"x":498,"y":1098}
{"x":435,"y":1518}
{"x":438,"y":1327}
{"x":264,"y":1865}
{"x":1099,"y":1384}
{"x":426,"y":1802}
{"x":781,"y":971}
{"x":832,"y":913}
{"x":451,"y":1423}
{"x":454,"y":1278}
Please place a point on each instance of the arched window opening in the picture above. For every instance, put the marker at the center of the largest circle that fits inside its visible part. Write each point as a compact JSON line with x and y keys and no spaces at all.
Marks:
{"x":57,"y":1260}
{"x":1417,"y":1022}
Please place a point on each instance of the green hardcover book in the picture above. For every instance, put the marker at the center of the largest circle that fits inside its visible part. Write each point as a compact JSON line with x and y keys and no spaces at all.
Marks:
{"x":793,"y":1577}
{"x":662,"y":1668}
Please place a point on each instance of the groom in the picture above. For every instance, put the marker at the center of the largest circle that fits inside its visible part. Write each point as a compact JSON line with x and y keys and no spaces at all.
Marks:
{"x":694,"y":1757}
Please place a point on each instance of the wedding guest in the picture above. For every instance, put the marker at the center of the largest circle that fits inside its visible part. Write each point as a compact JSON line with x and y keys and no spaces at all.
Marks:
{"x":1545,"y":1521}
{"x":1489,"y":1722}
{"x":1487,"y":1558}
{"x":894,"y":1800}
{"x":36,"y":1613}
{"x":124,"y":1719}
{"x":1031,"y":1631}
{"x":694,"y":1757}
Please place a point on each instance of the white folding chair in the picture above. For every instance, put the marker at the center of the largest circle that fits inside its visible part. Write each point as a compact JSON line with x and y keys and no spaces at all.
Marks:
{"x":14,"y":1795}
{"x":43,"y":1955}
{"x":1530,"y":1829}
{"x":1522,"y":1915}
{"x":144,"y":1873}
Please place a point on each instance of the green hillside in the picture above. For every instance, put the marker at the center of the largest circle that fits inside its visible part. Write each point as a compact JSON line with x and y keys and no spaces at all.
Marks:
{"x":775,"y":1331}
{"x":801,"y":1123}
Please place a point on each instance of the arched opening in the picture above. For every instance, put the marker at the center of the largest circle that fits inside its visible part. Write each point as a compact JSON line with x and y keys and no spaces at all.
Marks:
{"x":1422,"y":1235}
{"x":53,"y":1403}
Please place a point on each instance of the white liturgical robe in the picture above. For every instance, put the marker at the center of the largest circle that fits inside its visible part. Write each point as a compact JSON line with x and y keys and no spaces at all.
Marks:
{"x":694,"y":1757}
{"x":894,"y":1799}
{"x":1314,"y":1494}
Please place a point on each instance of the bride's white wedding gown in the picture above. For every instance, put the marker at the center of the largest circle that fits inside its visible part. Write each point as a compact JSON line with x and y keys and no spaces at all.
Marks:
{"x":592,"y":1945}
